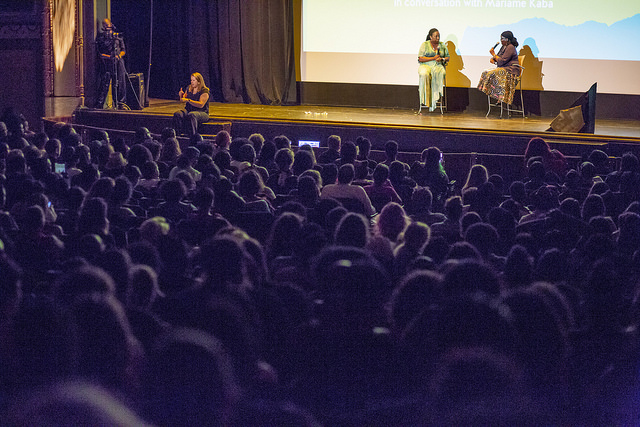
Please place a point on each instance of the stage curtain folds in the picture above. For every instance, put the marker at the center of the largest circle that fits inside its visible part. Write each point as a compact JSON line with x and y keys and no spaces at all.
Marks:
{"x":244,"y":49}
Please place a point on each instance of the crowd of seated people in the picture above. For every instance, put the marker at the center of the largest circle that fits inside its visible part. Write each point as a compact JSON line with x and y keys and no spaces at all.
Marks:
{"x":231,"y":282}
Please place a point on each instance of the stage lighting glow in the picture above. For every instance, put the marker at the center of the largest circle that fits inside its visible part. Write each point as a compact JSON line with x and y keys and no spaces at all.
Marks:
{"x":63,"y":27}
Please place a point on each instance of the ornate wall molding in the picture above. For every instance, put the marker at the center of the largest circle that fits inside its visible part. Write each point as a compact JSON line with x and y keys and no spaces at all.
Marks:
{"x":49,"y":66}
{"x":20,"y":31}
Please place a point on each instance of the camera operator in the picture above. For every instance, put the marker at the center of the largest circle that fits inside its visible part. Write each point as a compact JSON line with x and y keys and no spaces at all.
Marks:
{"x":111,"y":50}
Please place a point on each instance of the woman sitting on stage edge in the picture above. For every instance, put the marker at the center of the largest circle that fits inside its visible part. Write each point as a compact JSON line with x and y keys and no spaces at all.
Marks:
{"x":432,"y":56}
{"x":500,"y":82}
{"x":196,"y":108}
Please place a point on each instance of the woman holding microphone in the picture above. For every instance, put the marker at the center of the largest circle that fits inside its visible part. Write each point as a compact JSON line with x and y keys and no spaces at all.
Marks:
{"x":500,"y":82}
{"x":432,"y":57}
{"x":196,"y":109}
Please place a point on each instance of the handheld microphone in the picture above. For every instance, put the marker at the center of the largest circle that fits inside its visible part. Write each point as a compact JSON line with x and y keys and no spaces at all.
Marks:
{"x":495,"y":45}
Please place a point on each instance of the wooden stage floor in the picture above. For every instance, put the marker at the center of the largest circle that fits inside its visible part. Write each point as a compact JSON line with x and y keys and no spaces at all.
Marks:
{"x":471,"y":120}
{"x":467,"y":131}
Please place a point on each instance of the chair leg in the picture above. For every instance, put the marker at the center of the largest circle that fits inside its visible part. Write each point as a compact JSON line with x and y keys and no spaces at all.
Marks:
{"x":516,"y":110}
{"x":489,"y":101}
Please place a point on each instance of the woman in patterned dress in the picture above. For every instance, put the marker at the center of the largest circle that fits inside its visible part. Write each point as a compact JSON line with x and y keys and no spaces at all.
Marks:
{"x":500,"y":82}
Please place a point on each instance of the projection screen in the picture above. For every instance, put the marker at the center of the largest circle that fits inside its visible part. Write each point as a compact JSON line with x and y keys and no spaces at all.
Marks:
{"x":569,"y":44}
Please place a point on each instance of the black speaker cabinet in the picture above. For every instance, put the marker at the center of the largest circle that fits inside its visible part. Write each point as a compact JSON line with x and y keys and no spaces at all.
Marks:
{"x":135,"y":91}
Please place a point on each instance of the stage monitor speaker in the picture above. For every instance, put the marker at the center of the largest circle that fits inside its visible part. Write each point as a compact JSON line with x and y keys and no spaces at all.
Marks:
{"x":135,"y":91}
{"x":569,"y":120}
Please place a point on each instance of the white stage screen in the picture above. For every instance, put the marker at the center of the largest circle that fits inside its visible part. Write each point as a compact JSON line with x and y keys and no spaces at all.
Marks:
{"x":570,"y":44}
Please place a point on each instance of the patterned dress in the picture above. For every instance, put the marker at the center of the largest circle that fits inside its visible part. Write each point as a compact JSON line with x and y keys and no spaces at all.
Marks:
{"x":500,"y":82}
{"x":431,"y":75}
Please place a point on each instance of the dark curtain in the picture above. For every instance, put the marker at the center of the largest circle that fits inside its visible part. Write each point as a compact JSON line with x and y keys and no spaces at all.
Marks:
{"x":243,"y":49}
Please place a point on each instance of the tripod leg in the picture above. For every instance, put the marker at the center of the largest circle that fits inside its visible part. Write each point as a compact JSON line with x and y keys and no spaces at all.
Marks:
{"x":122,"y":83}
{"x":104,"y":89}
{"x":114,"y":85}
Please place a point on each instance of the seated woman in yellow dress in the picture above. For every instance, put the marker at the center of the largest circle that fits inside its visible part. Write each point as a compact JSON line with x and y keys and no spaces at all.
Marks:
{"x":432,"y":57}
{"x":500,"y":82}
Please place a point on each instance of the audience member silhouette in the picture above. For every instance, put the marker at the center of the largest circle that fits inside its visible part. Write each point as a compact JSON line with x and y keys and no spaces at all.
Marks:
{"x":161,"y":302}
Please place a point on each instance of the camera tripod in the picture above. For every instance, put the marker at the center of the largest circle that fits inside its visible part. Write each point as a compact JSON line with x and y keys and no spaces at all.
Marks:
{"x":112,"y":65}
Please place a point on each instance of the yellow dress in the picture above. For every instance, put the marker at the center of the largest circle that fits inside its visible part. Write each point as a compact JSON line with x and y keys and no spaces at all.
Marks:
{"x":431,"y":75}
